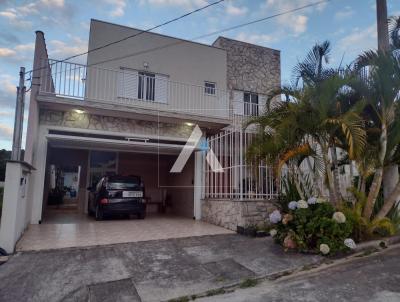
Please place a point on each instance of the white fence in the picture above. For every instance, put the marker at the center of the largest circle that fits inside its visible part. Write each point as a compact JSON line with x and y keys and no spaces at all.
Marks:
{"x":239,"y":180}
{"x":132,"y":88}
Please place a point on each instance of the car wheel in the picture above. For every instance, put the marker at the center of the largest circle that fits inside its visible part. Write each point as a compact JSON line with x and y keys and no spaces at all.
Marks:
{"x":99,"y":213}
{"x":141,"y":215}
{"x":3,"y":252}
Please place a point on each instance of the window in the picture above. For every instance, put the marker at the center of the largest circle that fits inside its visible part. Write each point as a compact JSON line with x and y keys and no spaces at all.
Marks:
{"x":250,"y":104}
{"x":209,"y":88}
{"x":146,"y":86}
{"x":143,"y":86}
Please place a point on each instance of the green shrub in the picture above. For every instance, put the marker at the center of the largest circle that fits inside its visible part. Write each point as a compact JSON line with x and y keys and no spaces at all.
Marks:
{"x":305,"y":229}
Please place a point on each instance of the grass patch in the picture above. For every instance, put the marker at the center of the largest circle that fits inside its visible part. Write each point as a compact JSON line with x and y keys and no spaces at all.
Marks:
{"x":181,"y":299}
{"x":214,"y":292}
{"x":248,"y":283}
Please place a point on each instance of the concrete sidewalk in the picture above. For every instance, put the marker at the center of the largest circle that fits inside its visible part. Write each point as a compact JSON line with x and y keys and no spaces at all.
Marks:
{"x":143,"y":271}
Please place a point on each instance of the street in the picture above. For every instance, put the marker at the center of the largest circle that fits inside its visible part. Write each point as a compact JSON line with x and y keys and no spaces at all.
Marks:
{"x":375,"y":278}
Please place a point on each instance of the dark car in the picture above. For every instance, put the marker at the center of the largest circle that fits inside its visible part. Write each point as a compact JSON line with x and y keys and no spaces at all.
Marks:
{"x":117,"y":195}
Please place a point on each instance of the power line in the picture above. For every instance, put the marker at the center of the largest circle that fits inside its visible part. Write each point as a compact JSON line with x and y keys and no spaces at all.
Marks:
{"x":213,"y":33}
{"x":139,"y":33}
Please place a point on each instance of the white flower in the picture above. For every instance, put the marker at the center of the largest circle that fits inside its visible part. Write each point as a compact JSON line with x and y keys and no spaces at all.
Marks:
{"x":324,"y":248}
{"x":273,"y":232}
{"x":339,"y":217}
{"x":321,"y":200}
{"x":292,"y":205}
{"x":275,"y":216}
{"x":302,"y":204}
{"x":312,"y":200}
{"x":350,"y":243}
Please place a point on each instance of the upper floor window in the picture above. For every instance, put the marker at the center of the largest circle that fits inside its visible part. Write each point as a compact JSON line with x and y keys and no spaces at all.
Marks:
{"x":250,"y":104}
{"x":146,"y":86}
{"x":209,"y":88}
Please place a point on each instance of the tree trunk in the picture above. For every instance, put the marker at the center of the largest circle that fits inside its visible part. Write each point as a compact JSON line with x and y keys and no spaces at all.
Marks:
{"x":389,"y":202}
{"x":373,"y":193}
{"x":315,"y":188}
{"x":377,"y":181}
{"x":328,"y":171}
{"x":390,"y":179}
{"x":382,"y":25}
{"x":336,"y":181}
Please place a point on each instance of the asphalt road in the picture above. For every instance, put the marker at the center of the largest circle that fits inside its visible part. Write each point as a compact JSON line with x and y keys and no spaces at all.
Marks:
{"x":374,"y":278}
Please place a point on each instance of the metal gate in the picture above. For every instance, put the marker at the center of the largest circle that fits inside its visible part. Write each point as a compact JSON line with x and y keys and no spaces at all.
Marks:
{"x":240,"y":180}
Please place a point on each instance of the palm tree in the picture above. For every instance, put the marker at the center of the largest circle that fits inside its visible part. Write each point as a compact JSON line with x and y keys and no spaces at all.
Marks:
{"x":312,"y":120}
{"x":380,"y":89}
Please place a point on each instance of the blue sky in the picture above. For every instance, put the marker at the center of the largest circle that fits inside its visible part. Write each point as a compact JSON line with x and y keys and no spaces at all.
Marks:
{"x":350,"y":25}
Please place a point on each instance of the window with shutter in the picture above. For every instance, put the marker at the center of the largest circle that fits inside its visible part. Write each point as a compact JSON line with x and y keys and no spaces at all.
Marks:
{"x":161,"y":92}
{"x":127,"y":84}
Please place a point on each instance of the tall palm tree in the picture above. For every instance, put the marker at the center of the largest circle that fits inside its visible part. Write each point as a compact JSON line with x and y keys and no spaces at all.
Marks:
{"x":381,"y":16}
{"x":380,"y":89}
{"x":309,"y":122}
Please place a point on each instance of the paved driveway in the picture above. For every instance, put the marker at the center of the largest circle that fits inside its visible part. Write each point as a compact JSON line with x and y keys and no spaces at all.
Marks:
{"x":142,"y":271}
{"x":87,"y":232}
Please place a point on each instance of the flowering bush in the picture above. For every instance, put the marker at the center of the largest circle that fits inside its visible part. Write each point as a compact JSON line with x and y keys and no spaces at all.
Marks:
{"x":312,"y":226}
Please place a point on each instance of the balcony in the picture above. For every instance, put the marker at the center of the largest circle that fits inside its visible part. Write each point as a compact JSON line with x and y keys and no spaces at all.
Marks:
{"x":156,"y":95}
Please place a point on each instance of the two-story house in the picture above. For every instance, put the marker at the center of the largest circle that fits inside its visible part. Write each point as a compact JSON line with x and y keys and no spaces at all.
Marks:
{"x":132,"y":108}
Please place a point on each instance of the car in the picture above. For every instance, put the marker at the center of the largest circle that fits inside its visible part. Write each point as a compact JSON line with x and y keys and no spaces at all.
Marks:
{"x":117,"y":194}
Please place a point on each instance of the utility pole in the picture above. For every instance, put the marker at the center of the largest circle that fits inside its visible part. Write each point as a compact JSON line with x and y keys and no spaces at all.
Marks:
{"x":382,"y":23}
{"x":19,"y":117}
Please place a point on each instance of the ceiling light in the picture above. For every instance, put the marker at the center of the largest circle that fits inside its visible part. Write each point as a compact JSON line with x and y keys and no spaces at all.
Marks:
{"x":189,"y":124}
{"x":79,"y":111}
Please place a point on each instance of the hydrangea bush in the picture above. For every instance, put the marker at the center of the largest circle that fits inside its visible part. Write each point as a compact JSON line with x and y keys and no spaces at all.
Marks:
{"x":312,"y":226}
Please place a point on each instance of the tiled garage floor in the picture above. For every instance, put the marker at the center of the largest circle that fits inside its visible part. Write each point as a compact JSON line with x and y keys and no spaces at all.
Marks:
{"x":71,"y":230}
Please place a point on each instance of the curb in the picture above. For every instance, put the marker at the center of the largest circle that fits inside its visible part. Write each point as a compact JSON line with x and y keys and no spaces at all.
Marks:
{"x":377,"y":244}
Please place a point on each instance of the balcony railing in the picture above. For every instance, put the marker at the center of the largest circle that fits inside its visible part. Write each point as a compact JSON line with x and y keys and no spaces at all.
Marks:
{"x":130,"y":88}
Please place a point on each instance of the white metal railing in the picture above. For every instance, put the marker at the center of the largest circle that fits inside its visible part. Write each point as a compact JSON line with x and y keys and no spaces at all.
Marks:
{"x":77,"y":81}
{"x":239,"y":180}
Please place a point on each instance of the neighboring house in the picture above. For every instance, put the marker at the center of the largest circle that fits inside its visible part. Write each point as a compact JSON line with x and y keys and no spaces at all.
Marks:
{"x":131,"y":109}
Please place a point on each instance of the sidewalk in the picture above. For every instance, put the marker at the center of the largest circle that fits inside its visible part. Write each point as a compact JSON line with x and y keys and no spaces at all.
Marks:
{"x":143,"y":271}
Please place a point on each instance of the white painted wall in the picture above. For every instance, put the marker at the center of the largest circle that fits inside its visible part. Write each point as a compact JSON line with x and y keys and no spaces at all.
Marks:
{"x":16,"y":205}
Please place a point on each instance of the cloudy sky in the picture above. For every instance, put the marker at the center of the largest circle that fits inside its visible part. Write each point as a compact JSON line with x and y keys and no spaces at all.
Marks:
{"x":350,"y":25}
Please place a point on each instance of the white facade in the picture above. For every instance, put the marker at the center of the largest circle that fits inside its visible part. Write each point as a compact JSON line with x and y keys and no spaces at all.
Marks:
{"x":139,"y":101}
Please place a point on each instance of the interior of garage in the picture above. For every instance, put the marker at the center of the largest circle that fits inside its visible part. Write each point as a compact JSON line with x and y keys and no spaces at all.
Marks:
{"x":70,"y":171}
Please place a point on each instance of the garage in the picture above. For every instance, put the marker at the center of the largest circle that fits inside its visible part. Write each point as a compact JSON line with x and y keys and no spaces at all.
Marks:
{"x":75,"y":164}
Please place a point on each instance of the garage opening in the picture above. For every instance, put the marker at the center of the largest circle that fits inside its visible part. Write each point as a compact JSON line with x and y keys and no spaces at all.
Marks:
{"x":71,"y":171}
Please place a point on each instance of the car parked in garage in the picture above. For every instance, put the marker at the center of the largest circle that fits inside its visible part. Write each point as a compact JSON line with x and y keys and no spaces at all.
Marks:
{"x":117,"y":194}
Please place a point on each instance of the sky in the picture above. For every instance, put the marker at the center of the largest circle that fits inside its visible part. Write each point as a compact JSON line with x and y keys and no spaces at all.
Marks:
{"x":350,"y":26}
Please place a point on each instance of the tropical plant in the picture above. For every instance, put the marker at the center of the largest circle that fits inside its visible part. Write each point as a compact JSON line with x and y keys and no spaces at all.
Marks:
{"x":365,"y":228}
{"x":312,"y":120}
{"x":379,"y":87}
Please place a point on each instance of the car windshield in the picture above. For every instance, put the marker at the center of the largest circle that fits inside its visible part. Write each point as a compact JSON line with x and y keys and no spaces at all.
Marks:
{"x":123,"y":183}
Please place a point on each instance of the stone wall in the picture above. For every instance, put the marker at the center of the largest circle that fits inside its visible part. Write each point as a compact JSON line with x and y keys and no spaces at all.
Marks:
{"x":251,"y":67}
{"x":230,"y":214}
{"x":72,"y":119}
